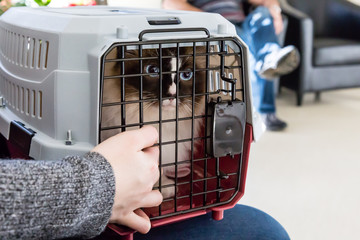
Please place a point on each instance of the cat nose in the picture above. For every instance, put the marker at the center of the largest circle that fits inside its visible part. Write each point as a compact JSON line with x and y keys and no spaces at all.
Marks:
{"x":171,"y":96}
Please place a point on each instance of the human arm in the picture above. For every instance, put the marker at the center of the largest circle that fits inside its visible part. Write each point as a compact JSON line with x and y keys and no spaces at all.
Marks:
{"x":266,"y":3}
{"x":76,"y":197}
{"x":55,"y":199}
{"x":179,"y":5}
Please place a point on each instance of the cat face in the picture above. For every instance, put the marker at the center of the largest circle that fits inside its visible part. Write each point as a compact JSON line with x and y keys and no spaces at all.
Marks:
{"x":177,"y":75}
{"x":176,"y":79}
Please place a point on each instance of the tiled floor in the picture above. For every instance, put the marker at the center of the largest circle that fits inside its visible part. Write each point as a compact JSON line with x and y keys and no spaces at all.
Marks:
{"x":308,"y":177}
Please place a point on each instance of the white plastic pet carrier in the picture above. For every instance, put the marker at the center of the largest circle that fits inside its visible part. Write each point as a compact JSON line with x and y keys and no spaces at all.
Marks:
{"x":72,"y":77}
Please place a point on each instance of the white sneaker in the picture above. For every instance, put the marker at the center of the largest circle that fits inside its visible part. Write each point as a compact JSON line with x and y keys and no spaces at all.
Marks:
{"x":280,"y":62}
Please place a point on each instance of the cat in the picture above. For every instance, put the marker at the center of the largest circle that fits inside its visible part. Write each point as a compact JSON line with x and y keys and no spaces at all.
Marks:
{"x":111,"y":116}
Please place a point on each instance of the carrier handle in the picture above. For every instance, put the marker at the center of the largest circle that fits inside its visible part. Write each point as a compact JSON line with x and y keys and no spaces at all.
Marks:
{"x":141,"y":35}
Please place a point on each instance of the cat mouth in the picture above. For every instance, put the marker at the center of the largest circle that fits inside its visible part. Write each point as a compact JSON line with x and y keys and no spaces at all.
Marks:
{"x":169,"y":103}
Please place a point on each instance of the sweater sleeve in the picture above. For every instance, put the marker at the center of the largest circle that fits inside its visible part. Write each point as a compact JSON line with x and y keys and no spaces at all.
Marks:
{"x":55,"y":199}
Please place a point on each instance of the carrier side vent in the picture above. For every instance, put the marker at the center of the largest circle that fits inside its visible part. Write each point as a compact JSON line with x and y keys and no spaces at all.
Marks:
{"x":216,"y":84}
{"x":23,"y":50}
{"x":24,"y":100}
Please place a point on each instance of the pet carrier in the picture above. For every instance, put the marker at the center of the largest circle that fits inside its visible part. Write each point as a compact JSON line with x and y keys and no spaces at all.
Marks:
{"x":70,"y":78}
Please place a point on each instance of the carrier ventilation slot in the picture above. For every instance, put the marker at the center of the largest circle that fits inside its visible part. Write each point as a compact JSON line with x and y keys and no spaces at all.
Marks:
{"x":23,"y":50}
{"x":24,"y":100}
{"x":216,"y":84}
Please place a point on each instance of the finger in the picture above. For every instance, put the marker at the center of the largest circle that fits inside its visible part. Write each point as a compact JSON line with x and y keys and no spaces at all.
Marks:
{"x":277,"y":30}
{"x":141,"y":213}
{"x":152,"y":152}
{"x":151,"y":199}
{"x":278,"y":27}
{"x":137,"y":221}
{"x":281,"y":27}
{"x":148,"y":136}
{"x":152,"y":163}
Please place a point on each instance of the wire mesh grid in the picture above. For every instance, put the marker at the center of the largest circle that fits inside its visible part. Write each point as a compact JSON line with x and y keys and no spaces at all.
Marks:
{"x":171,"y":85}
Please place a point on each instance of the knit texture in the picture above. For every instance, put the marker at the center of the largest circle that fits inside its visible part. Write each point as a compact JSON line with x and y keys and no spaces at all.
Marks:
{"x":55,"y":199}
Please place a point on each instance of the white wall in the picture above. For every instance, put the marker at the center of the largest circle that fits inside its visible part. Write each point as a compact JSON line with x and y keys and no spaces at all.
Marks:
{"x":136,"y":3}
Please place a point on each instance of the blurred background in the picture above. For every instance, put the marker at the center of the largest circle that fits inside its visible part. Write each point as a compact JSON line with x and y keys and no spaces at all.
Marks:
{"x":306,"y":176}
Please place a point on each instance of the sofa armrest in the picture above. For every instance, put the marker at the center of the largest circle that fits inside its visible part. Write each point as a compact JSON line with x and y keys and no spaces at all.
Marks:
{"x":300,"y":33}
{"x":300,"y":30}
{"x":299,"y":23}
{"x":351,"y":4}
{"x":290,"y":11}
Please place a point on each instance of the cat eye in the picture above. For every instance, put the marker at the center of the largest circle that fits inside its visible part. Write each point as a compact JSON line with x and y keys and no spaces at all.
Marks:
{"x":152,"y":69}
{"x":186,"y":75}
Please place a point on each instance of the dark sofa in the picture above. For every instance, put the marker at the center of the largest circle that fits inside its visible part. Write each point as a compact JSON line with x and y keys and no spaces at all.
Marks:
{"x":327,"y":34}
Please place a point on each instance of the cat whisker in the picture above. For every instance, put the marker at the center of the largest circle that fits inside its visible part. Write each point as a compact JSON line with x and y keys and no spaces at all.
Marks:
{"x":186,"y":108}
{"x":189,"y":102}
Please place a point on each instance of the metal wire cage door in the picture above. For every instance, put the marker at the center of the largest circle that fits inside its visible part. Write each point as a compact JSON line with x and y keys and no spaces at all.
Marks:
{"x":192,"y":92}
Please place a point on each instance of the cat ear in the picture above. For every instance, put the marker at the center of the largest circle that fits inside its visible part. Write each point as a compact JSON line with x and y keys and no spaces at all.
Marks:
{"x":128,"y":53}
{"x":132,"y":53}
{"x":201,"y":49}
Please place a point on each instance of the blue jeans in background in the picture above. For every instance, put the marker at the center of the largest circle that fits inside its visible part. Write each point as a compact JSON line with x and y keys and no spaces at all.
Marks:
{"x":258,"y":32}
{"x":239,"y":223}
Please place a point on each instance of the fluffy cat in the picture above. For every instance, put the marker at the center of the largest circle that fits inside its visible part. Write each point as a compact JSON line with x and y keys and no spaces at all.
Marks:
{"x":173,"y":70}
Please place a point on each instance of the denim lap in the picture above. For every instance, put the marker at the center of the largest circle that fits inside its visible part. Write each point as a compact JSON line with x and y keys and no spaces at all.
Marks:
{"x":258,"y":32}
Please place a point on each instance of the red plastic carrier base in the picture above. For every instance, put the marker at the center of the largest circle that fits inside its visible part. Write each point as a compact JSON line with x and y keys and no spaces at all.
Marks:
{"x":217,"y":212}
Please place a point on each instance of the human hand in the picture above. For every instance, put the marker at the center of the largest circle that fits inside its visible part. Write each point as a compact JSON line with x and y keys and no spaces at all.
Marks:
{"x":275,"y":12}
{"x":135,"y":165}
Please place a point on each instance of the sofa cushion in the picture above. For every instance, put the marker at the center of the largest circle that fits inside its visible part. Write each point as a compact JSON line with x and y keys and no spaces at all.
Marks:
{"x":332,"y":51}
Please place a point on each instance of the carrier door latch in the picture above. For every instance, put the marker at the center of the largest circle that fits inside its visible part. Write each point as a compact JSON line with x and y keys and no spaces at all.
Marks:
{"x":227,"y":127}
{"x":20,"y":136}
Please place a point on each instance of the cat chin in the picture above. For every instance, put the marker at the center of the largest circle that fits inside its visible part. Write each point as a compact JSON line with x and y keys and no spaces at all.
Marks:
{"x":168,"y":108}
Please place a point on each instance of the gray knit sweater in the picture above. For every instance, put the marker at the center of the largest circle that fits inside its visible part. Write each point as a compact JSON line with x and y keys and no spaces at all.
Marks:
{"x":55,"y":199}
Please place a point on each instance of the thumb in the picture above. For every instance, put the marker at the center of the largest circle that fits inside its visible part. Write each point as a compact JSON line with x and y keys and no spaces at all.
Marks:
{"x":149,"y":136}
{"x":138,"y":221}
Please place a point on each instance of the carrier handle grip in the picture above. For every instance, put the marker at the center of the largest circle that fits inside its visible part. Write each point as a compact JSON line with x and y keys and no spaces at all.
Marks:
{"x":167,"y":30}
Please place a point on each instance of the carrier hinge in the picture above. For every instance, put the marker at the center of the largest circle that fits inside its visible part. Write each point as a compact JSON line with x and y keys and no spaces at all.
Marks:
{"x":2,"y":102}
{"x":20,"y":136}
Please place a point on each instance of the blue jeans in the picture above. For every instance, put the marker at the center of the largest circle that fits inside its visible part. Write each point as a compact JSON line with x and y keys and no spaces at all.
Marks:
{"x":240,"y":222}
{"x":258,"y":32}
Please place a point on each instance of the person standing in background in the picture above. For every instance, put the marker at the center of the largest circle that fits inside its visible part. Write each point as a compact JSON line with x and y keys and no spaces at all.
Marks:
{"x":258,"y":30}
